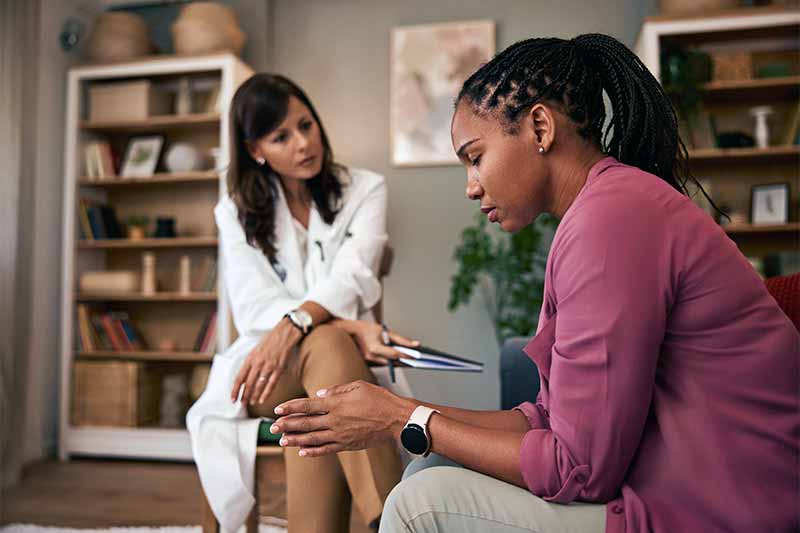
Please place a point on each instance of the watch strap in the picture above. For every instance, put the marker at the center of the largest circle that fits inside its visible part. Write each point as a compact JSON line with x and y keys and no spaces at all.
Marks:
{"x":421,"y":415}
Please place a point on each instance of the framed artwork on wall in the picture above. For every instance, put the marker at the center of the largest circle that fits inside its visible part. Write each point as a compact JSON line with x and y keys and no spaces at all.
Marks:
{"x":428,"y":65}
{"x":769,"y":204}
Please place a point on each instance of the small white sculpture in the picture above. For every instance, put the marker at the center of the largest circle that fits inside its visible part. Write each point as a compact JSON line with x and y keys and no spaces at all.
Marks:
{"x":762,"y":129}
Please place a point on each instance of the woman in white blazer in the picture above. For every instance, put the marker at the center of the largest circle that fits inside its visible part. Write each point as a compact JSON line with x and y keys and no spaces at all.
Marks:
{"x":302,"y":239}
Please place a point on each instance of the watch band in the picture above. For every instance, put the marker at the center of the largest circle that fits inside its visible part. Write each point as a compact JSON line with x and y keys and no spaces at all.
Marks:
{"x":421,"y":415}
{"x":292,"y":316}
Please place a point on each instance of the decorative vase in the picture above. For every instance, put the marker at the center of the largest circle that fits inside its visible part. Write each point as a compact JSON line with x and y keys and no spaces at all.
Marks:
{"x":183,"y":157}
{"x":165,"y":228}
{"x":761,"y":113}
{"x":185,"y":279}
{"x":148,"y":273}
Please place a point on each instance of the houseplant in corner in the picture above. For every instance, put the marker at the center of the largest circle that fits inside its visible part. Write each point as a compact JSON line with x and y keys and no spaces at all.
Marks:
{"x":509,"y":268}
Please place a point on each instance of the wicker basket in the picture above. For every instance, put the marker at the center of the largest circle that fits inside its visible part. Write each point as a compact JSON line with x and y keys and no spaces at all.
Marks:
{"x":115,"y":393}
{"x":119,"y":36}
{"x":206,"y":27}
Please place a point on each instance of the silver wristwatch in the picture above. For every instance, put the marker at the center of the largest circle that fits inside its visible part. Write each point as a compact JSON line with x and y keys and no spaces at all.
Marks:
{"x":301,"y":319}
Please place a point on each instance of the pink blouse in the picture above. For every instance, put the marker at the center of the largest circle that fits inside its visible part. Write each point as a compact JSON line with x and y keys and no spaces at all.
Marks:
{"x":670,"y":377}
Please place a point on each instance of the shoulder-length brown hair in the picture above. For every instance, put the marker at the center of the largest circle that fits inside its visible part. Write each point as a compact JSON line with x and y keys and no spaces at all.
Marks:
{"x":258,"y":107}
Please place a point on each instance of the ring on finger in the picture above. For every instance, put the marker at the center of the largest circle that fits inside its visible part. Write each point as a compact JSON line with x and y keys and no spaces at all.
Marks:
{"x":261,"y":379}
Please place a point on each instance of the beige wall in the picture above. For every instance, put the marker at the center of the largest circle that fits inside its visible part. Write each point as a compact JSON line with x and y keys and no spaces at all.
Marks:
{"x":338,"y":51}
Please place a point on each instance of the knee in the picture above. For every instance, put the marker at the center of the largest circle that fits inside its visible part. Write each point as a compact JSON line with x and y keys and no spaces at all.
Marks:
{"x":417,"y":495}
{"x":327,"y":338}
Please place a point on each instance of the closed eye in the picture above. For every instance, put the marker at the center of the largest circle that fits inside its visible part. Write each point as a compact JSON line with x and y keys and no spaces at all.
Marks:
{"x":475,"y":161}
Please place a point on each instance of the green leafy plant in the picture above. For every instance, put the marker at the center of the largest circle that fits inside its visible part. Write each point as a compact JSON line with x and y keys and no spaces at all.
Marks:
{"x":138,"y":220}
{"x":509,"y":268}
{"x":683,"y":73}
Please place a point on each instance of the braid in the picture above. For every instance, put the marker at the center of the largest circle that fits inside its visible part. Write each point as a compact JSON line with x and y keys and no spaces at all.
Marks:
{"x":643,"y":129}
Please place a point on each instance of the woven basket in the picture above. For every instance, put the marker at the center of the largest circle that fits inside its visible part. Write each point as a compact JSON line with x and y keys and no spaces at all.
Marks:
{"x":119,"y":36}
{"x":206,"y":27}
{"x":690,"y":7}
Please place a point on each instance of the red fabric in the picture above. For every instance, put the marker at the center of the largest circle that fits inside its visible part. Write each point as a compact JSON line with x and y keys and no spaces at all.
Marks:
{"x":786,"y":291}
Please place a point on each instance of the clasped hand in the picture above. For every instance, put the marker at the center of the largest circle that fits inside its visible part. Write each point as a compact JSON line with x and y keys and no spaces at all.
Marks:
{"x":353,"y":416}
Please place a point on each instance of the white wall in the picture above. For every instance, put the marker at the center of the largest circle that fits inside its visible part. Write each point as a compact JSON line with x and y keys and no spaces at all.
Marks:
{"x":43,"y":233}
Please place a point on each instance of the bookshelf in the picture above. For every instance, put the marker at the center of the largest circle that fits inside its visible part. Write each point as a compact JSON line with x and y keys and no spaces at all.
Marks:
{"x":168,"y":314}
{"x":764,"y":34}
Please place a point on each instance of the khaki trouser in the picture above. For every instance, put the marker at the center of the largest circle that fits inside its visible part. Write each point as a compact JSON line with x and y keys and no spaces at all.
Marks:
{"x":320,"y":488}
{"x":450,"y":499}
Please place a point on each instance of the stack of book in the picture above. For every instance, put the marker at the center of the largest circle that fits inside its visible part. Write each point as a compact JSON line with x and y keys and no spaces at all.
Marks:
{"x":98,"y":221}
{"x":99,"y":161}
{"x":112,"y":331}
{"x":206,"y":341}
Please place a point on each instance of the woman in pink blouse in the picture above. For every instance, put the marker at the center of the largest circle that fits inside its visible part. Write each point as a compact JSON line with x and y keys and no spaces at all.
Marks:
{"x":670,"y":377}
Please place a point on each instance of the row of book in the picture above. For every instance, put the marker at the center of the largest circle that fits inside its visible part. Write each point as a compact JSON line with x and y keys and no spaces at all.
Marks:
{"x":206,"y":280}
{"x":98,"y":221}
{"x":111,"y":331}
{"x":99,"y":160}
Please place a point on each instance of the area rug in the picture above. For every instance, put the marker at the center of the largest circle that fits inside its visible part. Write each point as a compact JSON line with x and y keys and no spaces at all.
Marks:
{"x":273,"y":526}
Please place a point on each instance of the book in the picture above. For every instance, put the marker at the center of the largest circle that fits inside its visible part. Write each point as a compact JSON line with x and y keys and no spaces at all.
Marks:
{"x":210,"y":340}
{"x":428,"y":358}
{"x":84,"y":328}
{"x":198,"y":341}
{"x":83,"y":217}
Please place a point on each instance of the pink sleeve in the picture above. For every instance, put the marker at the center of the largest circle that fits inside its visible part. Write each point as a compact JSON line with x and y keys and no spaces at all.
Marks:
{"x":535,"y":413}
{"x":610,"y":277}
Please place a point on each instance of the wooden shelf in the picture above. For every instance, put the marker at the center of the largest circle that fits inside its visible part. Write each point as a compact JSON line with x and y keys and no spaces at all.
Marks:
{"x":768,"y":155}
{"x":771,"y":89}
{"x":178,"y":242}
{"x":162,"y":122}
{"x":148,"y":355}
{"x":139,"y":297}
{"x":203,"y":176}
{"x":748,"y":229}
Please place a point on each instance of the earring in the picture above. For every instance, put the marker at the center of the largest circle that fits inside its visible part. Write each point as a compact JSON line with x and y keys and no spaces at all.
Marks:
{"x":260,"y":161}
{"x":541,"y":150}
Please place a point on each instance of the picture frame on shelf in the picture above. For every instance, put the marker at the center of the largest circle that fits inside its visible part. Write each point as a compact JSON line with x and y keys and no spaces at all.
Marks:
{"x":141,"y":156}
{"x":769,"y":204}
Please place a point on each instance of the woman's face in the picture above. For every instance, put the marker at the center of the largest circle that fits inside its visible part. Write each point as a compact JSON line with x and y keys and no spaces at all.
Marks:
{"x":294,"y":149}
{"x":505,"y":172}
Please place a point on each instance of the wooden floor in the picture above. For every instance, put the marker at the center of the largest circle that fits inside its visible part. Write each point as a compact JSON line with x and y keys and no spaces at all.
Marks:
{"x":98,"y":494}
{"x":92,"y":494}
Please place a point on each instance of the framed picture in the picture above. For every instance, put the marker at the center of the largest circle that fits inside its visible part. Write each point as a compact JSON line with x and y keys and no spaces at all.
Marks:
{"x":141,"y":156}
{"x":429,"y":64}
{"x":769,"y":204}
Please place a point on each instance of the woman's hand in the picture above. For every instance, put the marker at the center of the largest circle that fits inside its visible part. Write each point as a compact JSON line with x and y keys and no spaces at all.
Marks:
{"x":265,"y":363}
{"x":370,"y":340}
{"x":353,"y":416}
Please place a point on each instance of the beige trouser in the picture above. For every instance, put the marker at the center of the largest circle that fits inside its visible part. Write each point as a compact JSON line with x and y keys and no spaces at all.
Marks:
{"x":320,"y":488}
{"x":449,"y":499}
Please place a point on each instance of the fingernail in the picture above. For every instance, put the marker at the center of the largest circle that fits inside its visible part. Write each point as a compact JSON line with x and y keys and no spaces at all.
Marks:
{"x":322,"y":392}
{"x":283,"y":441}
{"x":301,"y":453}
{"x":279,"y":410}
{"x":274,"y":428}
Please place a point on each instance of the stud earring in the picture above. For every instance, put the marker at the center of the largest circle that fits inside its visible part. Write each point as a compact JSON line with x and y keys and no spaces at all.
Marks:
{"x":260,"y":161}
{"x":541,"y":150}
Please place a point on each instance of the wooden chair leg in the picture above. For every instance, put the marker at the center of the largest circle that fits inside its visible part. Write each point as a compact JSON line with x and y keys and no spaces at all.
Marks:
{"x":210,"y":524}
{"x":252,"y":519}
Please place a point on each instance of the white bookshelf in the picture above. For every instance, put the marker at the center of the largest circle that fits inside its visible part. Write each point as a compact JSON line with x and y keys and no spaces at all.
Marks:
{"x":198,"y":191}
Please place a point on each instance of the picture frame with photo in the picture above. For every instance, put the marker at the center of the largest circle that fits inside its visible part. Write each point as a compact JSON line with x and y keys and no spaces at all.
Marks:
{"x":141,"y":156}
{"x":769,"y":204}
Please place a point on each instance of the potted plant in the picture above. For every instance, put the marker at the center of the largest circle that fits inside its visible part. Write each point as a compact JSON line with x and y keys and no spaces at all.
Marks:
{"x":683,"y":73}
{"x":137,"y":226}
{"x":509,"y":268}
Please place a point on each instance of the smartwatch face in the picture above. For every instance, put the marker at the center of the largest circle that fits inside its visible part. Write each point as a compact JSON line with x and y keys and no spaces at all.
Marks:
{"x":414,"y":439}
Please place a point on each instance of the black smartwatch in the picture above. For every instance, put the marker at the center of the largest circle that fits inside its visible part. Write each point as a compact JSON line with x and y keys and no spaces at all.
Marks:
{"x":414,"y":436}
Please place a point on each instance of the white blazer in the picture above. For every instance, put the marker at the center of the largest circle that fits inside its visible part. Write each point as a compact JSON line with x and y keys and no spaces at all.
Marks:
{"x":341,"y":274}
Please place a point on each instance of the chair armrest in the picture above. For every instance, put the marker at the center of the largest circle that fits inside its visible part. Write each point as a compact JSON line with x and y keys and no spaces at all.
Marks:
{"x":519,"y":377}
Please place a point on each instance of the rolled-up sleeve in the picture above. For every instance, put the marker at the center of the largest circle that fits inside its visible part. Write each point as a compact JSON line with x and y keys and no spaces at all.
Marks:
{"x":352,"y":284}
{"x":610,"y":281}
{"x":259,"y":299}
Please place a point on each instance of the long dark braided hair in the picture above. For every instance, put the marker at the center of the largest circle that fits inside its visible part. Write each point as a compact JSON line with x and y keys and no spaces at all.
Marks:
{"x":643,"y":130}
{"x":258,"y":107}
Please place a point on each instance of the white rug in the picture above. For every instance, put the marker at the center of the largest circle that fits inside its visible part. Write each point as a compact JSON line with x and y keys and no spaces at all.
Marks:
{"x":274,"y":526}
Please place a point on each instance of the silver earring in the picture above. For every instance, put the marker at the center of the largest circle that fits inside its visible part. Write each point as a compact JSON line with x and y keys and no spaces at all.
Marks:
{"x":260,"y":161}
{"x":541,"y":150}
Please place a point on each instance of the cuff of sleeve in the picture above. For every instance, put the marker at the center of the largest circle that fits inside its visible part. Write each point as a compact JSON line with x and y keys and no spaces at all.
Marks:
{"x":536,"y":418}
{"x":339,"y":301}
{"x":539,"y":464}
{"x":262,"y":318}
